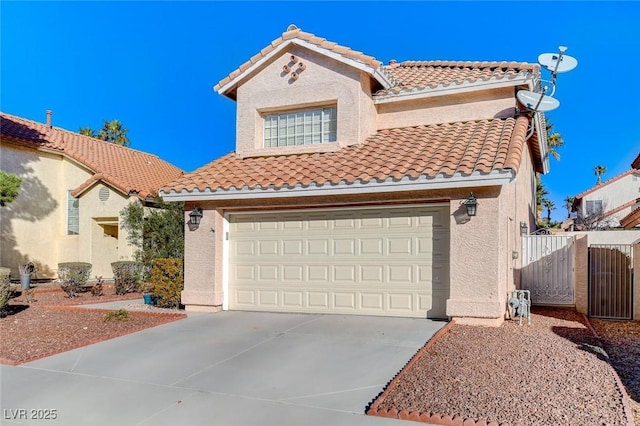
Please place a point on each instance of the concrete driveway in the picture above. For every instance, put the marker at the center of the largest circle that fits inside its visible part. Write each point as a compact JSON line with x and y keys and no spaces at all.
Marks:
{"x":230,"y":368}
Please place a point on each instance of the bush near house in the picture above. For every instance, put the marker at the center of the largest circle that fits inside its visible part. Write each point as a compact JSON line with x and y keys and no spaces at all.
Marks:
{"x":73,"y":276}
{"x":167,"y":281}
{"x":126,"y":275}
{"x":5,"y":287}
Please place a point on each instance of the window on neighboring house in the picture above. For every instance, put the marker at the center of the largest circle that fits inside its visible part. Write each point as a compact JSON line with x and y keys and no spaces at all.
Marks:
{"x":73,"y":215}
{"x":307,"y":127}
{"x":594,"y":207}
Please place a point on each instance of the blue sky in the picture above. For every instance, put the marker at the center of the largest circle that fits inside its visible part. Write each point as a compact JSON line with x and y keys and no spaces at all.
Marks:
{"x":152,"y":65}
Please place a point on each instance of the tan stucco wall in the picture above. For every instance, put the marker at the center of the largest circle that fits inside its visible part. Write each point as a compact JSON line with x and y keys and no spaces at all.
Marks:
{"x":31,"y":225}
{"x":203,"y":262}
{"x":95,"y":246}
{"x":34,"y":226}
{"x":447,"y":109}
{"x":324,"y":82}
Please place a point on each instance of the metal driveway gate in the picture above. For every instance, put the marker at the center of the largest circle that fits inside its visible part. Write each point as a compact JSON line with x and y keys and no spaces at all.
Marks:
{"x":611,"y":281}
{"x":548,"y":268}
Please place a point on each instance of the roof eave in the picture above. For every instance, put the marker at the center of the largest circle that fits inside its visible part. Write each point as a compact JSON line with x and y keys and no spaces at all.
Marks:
{"x":451,"y":89}
{"x":376,"y":73}
{"x":494,"y":178}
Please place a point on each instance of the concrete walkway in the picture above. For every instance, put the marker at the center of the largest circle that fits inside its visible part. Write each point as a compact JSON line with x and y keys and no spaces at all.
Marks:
{"x":230,"y":368}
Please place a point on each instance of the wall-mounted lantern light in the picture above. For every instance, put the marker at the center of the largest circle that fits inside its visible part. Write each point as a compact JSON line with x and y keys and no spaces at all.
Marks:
{"x":195,"y":216}
{"x":471,"y":204}
{"x":524,"y":229}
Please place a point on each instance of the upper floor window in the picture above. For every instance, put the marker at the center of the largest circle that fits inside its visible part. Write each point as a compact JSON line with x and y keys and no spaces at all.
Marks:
{"x":306,"y":127}
{"x":73,"y":215}
{"x":594,"y":207}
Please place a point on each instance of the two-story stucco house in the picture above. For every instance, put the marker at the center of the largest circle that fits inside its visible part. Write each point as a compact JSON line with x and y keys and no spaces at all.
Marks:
{"x":346,"y":191}
{"x":73,"y":190}
{"x":610,"y":204}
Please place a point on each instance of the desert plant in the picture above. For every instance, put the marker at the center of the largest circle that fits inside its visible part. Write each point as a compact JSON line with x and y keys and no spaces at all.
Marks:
{"x":168,"y":281}
{"x":73,"y":276}
{"x":96,"y":289}
{"x":119,"y":315}
{"x":126,"y":274}
{"x":5,"y":287}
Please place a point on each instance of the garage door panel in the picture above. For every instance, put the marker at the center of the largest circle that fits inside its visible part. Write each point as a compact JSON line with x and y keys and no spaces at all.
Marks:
{"x":344,"y":300}
{"x":267,"y":272}
{"x":318,"y":300}
{"x":318,"y":273}
{"x":268,"y":298}
{"x":367,"y":261}
{"x":292,"y":299}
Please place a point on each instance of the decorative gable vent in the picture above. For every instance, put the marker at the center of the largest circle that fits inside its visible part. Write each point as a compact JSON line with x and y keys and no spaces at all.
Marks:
{"x":103,"y":194}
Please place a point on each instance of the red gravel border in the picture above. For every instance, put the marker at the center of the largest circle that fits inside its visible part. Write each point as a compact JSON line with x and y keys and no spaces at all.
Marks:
{"x":447,"y":420}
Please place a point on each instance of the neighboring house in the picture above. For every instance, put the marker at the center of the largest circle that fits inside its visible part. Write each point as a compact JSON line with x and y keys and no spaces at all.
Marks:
{"x":346,"y":191}
{"x":607,"y":205}
{"x":73,"y":190}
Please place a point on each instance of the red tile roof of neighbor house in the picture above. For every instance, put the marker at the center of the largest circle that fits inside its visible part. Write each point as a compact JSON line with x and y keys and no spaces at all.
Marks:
{"x":405,"y":76}
{"x":423,"y":151}
{"x":636,"y":163}
{"x":631,"y":220}
{"x":127,"y":170}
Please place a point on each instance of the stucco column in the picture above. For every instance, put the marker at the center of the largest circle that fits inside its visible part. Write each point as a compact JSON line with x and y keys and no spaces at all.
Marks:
{"x":202,"y":290}
{"x":475,"y":251}
{"x":636,"y":282}
{"x":581,"y":274}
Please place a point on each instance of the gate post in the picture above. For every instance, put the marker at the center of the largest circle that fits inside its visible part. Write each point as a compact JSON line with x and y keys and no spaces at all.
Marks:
{"x":581,"y":272}
{"x":636,"y":281}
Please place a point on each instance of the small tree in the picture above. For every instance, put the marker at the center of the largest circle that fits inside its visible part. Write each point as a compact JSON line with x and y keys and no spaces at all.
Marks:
{"x":155,"y":232}
{"x":9,"y":187}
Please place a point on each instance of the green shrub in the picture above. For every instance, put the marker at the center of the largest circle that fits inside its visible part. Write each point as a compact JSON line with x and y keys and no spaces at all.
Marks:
{"x":5,"y":288}
{"x":73,"y":276}
{"x":126,"y":275}
{"x":119,"y":315}
{"x":167,"y":281}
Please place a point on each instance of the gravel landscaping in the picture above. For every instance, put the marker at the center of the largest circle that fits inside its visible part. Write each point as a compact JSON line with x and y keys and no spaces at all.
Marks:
{"x":554,"y":372}
{"x":51,"y":322}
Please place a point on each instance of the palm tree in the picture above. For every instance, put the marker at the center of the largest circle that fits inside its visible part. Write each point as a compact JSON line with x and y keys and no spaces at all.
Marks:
{"x":599,"y":171}
{"x":112,"y":131}
{"x":568,"y":204}
{"x":87,"y":131}
{"x":549,"y":205}
{"x":554,"y":141}
{"x":541,"y":193}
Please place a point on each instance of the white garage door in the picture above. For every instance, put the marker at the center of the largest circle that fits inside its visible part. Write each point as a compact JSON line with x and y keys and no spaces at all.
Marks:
{"x":384,"y":261}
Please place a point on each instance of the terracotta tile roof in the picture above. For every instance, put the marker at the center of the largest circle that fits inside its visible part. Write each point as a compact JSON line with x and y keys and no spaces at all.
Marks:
{"x":126,"y":169}
{"x":405,"y":76}
{"x":579,"y":197}
{"x":631,"y":220}
{"x":636,"y":163}
{"x":412,"y":75}
{"x":412,"y":152}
